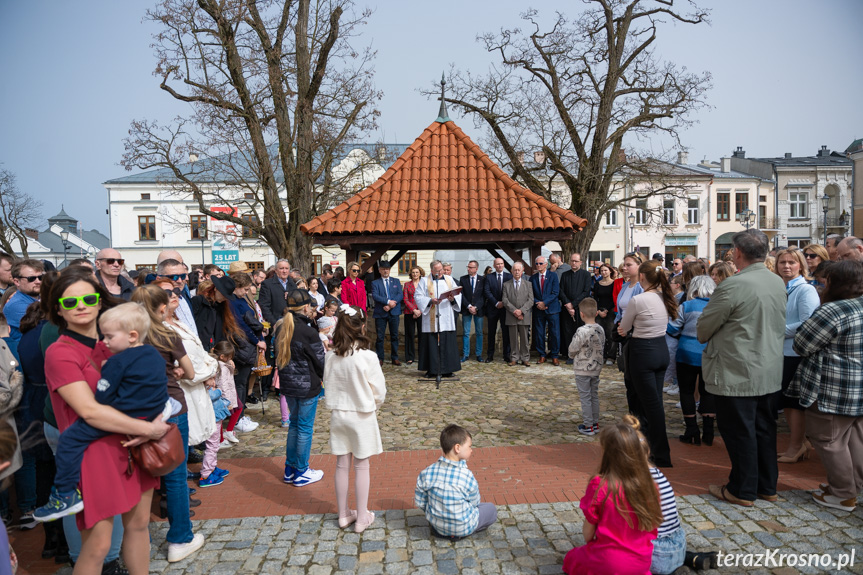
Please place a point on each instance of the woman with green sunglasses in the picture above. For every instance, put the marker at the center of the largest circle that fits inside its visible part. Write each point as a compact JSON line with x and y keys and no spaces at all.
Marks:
{"x":72,"y":367}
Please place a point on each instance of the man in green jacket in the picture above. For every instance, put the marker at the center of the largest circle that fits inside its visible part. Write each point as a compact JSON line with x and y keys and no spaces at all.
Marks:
{"x":744,"y":328}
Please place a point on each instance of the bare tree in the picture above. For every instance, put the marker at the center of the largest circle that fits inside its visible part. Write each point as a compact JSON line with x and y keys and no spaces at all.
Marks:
{"x":276,"y":89}
{"x":575,"y":92}
{"x":18,"y":211}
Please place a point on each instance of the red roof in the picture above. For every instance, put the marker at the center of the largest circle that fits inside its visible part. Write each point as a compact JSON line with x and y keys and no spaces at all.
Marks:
{"x":443,"y":183}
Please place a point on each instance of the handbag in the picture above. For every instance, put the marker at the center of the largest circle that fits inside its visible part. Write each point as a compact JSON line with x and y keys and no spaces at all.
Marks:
{"x":161,"y":456}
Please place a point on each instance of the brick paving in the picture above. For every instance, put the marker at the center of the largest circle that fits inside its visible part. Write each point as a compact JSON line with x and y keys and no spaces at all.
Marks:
{"x":530,"y":462}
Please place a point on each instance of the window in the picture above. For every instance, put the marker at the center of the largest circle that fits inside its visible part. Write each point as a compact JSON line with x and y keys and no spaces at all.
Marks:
{"x":741,"y":202}
{"x":762,"y":199}
{"x":406,"y":262}
{"x":611,"y":218}
{"x":668,"y":213}
{"x":604,"y":256}
{"x":255,"y":266}
{"x":640,"y":212}
{"x":146,"y":227}
{"x":198,"y":225}
{"x":253,"y":221}
{"x":249,"y":196}
{"x":762,"y":213}
{"x":798,"y":202}
{"x":145,"y":196}
{"x":798,"y":242}
{"x":723,"y":213}
{"x":317,"y":263}
{"x":150,"y":267}
{"x":692,"y":212}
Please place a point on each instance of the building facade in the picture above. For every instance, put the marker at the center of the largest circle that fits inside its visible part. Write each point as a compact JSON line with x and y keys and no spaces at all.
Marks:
{"x":62,"y":241}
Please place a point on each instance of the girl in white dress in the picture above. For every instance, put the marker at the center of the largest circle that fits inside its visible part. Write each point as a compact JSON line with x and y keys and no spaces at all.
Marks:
{"x":355,"y":389}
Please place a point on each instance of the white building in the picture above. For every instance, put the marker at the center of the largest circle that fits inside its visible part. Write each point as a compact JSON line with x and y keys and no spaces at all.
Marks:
{"x":62,"y":241}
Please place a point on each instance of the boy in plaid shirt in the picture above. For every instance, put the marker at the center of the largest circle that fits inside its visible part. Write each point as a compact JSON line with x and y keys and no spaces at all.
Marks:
{"x":448,"y":492}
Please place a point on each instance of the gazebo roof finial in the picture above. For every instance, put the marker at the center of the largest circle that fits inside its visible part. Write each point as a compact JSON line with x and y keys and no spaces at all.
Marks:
{"x":442,"y":115}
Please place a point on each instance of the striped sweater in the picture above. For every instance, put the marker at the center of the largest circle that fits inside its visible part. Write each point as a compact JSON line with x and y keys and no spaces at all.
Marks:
{"x":670,"y":519}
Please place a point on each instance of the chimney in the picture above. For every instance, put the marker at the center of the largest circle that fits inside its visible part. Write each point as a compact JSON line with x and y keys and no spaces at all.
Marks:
{"x":539,"y":157}
{"x":823,"y":152}
{"x":726,"y":165}
{"x":788,"y":155}
{"x":31,"y":233}
{"x":381,"y":153}
{"x":682,"y":157}
{"x":739,"y":153}
{"x":621,"y":156}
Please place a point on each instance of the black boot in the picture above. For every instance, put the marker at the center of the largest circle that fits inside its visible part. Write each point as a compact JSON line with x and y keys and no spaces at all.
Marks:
{"x":49,"y":550}
{"x":691,"y":434}
{"x":699,"y":561}
{"x":707,"y":436}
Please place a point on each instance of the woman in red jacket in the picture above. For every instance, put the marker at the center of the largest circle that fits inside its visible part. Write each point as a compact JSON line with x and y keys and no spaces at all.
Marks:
{"x":413,"y":315}
{"x":353,"y":288}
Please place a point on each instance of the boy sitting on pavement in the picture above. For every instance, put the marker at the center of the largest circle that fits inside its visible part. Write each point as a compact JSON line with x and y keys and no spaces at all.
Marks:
{"x":448,"y":492}
{"x":586,"y":350}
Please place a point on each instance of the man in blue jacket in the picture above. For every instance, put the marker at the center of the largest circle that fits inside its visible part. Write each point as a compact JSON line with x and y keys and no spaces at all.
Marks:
{"x":387,"y":295}
{"x":546,"y":289}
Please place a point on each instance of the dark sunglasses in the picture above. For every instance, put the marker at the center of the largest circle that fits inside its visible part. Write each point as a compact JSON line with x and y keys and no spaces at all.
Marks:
{"x":31,"y":279}
{"x":810,"y":256}
{"x":355,"y":271}
{"x":175,"y":277}
{"x":89,"y":300}
{"x":112,"y":261}
{"x":174,"y":291}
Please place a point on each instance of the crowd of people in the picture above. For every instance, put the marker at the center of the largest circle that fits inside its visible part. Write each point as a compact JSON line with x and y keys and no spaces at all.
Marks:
{"x":741,"y":341}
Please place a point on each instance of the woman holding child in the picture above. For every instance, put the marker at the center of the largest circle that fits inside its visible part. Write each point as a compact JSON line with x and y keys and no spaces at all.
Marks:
{"x":647,"y":315}
{"x":72,"y":367}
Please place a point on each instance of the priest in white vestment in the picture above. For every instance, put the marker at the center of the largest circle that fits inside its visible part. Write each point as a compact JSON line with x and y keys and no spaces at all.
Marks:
{"x":438,"y":323}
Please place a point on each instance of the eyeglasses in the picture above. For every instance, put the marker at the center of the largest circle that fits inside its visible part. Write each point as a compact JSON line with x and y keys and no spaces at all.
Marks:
{"x":540,"y":263}
{"x":112,"y":261}
{"x":355,"y":271}
{"x":89,"y":300}
{"x":174,"y":291}
{"x":175,"y":277}
{"x":810,"y":256}
{"x":31,"y":279}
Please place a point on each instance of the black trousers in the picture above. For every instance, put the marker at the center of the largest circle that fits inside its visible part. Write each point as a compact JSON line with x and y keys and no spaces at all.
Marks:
{"x":648,"y":360}
{"x":241,"y":382}
{"x":688,"y":376}
{"x":413,"y":326}
{"x":493,"y":321}
{"x":748,"y":429}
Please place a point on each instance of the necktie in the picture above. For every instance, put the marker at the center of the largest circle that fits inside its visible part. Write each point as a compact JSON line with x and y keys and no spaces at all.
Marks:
{"x":517,"y":282}
{"x":541,"y":282}
{"x":472,"y":284}
{"x":387,"y":288}
{"x":500,"y":281}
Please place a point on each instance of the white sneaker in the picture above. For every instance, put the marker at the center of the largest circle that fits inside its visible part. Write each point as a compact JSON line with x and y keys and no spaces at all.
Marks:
{"x":225,"y":444}
{"x":308,"y":476}
{"x":179,"y":551}
{"x":673,"y":390}
{"x":245,"y":425}
{"x":230,"y":437}
{"x":677,"y":405}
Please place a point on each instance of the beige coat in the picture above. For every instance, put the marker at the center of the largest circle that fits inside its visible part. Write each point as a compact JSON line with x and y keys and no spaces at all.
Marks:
{"x":522,"y":300}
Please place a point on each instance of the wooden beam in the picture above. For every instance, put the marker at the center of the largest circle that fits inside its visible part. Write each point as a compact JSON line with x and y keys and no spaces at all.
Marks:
{"x":508,"y":250}
{"x":535,"y":252}
{"x":376,"y":255}
{"x":496,"y":255}
{"x":397,"y":257}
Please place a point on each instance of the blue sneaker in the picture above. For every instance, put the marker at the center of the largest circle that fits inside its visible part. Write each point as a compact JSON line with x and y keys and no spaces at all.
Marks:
{"x":290,"y":473}
{"x":585,"y":429}
{"x":59,"y":506}
{"x":221,"y":472}
{"x":211,"y":480}
{"x":308,"y":476}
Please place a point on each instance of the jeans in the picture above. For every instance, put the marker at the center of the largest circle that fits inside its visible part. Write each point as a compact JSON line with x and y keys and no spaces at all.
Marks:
{"x":381,"y":324}
{"x":465,"y":323}
{"x":177,"y":492}
{"x":540,"y":319}
{"x":299,"y":444}
{"x":70,"y":526}
{"x":588,"y":392}
{"x":668,"y":552}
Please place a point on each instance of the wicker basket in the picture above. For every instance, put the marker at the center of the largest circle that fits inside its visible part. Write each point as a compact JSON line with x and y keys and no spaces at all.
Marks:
{"x":262,"y":369}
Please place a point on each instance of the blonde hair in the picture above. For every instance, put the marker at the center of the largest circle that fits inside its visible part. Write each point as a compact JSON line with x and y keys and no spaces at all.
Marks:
{"x":129,"y":316}
{"x":284,"y":330}
{"x":152,"y":297}
{"x":797,"y":255}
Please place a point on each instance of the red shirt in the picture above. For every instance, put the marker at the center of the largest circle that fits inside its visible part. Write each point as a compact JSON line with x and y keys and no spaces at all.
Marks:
{"x":354,"y":294}
{"x":105,"y":487}
{"x":409,"y":302}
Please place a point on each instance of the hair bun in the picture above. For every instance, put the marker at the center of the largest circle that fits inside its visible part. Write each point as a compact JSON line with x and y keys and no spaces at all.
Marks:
{"x":632,"y":421}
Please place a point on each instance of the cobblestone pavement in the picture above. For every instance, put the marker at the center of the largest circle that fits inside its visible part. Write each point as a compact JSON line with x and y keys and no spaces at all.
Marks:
{"x":501,"y":406}
{"x":530,"y":538}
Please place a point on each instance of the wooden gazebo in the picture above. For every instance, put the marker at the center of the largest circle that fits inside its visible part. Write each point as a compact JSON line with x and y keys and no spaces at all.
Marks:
{"x":443,"y":192}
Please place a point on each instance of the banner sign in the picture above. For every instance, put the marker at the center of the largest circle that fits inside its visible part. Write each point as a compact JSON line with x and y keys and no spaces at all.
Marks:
{"x":226,"y":238}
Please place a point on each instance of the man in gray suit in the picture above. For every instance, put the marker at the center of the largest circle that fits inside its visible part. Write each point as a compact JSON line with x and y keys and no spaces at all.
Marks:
{"x":518,"y":301}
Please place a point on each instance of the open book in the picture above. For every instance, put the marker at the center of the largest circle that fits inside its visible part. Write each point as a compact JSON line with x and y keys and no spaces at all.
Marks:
{"x":453,"y":292}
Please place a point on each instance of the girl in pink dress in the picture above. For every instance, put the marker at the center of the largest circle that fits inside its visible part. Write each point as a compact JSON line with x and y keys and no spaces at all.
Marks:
{"x":621,"y":509}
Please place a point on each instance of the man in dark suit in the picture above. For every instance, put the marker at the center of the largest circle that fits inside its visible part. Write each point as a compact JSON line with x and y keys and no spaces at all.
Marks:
{"x":326,"y":276}
{"x":494,"y":310}
{"x":271,"y":297}
{"x":575,"y":285}
{"x":387,"y":295}
{"x":546,"y":289}
{"x":473,"y":304}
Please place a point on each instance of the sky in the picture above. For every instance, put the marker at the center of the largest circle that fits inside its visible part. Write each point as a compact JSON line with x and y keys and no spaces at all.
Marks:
{"x":786,"y":78}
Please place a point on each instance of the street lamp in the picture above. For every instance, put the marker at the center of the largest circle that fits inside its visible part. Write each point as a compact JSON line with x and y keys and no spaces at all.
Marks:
{"x":746,"y":218}
{"x":64,"y":237}
{"x":825,"y":206}
{"x":631,"y":232}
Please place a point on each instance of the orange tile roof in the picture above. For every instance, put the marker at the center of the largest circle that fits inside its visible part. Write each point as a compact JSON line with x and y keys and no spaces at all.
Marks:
{"x":443,"y":183}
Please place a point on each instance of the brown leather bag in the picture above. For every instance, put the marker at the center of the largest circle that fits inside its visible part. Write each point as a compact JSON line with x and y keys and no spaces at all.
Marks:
{"x":159,"y":457}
